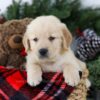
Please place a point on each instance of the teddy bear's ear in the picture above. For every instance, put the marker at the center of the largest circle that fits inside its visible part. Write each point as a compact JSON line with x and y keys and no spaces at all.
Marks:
{"x":26,"y":43}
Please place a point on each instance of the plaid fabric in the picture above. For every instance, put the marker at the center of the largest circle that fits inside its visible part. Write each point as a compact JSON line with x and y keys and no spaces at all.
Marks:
{"x":13,"y":86}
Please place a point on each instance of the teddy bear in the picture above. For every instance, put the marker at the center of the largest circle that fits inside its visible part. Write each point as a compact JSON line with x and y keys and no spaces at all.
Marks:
{"x":11,"y":33}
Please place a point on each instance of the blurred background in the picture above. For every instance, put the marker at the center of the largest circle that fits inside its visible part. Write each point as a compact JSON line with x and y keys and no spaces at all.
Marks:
{"x":82,"y":17}
{"x":76,"y":13}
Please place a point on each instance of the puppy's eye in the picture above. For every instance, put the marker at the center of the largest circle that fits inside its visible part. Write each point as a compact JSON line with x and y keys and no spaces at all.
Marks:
{"x":51,"y":38}
{"x":35,"y":39}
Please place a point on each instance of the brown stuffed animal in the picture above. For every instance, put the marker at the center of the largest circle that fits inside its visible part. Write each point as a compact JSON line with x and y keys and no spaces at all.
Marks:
{"x":11,"y":33}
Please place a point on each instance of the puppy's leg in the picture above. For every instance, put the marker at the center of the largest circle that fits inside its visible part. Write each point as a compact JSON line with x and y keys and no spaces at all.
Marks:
{"x":83,"y":66}
{"x":71,"y":74}
{"x":88,"y":83}
{"x":34,"y":74}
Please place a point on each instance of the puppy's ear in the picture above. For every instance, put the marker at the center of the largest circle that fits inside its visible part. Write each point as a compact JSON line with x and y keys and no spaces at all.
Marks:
{"x":26,"y":43}
{"x":67,"y":37}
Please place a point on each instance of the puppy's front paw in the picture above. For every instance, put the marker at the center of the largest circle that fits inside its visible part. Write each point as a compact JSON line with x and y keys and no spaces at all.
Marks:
{"x":72,"y":77}
{"x":34,"y":80}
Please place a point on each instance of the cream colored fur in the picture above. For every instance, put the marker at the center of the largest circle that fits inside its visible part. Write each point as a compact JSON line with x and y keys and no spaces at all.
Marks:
{"x":60,"y":56}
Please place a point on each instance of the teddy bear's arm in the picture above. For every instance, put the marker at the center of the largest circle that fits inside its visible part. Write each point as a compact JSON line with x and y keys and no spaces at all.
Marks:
{"x":3,"y":59}
{"x":15,"y":60}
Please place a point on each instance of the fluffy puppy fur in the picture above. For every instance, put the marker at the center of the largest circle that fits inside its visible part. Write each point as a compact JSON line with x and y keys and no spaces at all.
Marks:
{"x":47,"y":43}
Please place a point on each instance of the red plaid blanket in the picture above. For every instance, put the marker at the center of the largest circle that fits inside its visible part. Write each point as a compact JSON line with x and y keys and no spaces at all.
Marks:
{"x":13,"y":86}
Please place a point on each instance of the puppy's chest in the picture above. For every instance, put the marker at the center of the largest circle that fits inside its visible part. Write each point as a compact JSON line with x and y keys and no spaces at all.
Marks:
{"x":51,"y":67}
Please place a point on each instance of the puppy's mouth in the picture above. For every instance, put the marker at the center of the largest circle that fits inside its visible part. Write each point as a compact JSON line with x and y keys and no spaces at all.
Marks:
{"x":43,"y":57}
{"x":46,"y":58}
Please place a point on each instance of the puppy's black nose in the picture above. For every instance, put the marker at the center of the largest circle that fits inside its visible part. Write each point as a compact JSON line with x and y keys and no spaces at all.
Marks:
{"x":43,"y":51}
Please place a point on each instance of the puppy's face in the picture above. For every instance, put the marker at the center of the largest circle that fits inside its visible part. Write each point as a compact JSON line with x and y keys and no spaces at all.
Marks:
{"x":46,"y":39}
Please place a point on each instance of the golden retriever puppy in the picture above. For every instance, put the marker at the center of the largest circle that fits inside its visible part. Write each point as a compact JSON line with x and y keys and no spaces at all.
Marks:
{"x":47,"y":43}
